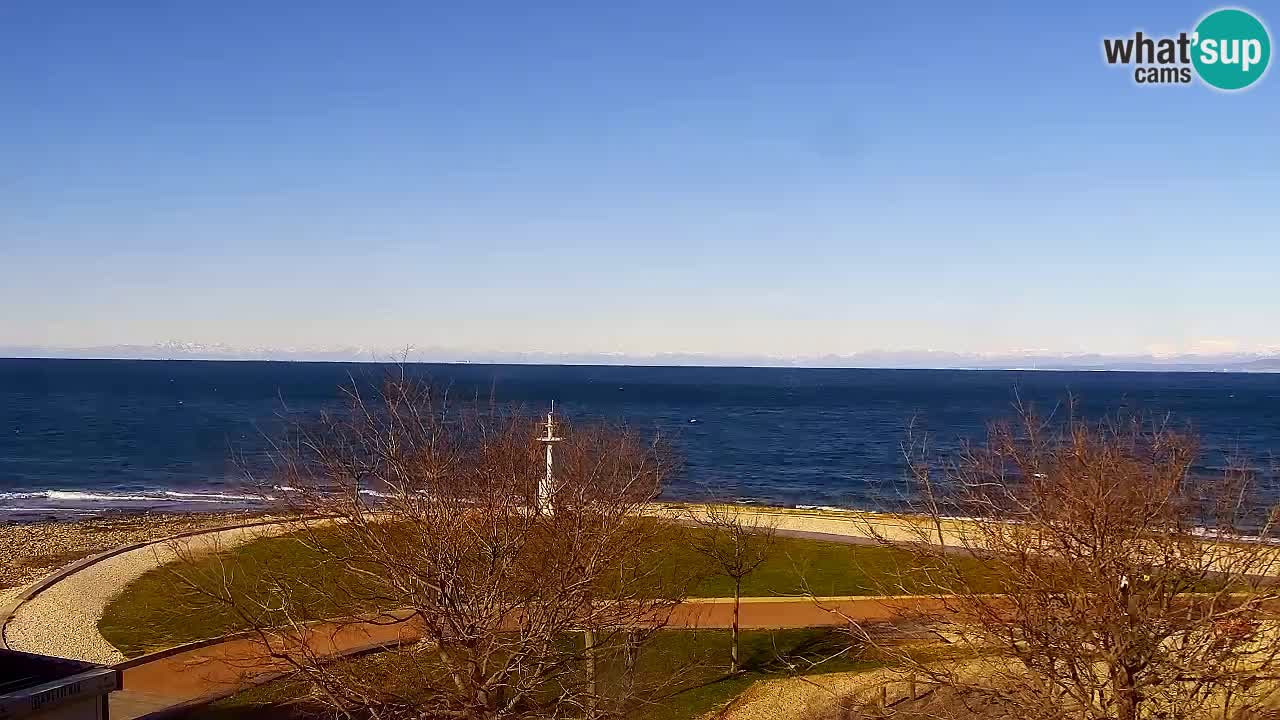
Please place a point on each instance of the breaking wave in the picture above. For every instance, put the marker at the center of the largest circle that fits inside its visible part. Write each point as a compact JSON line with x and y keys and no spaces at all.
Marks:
{"x":100,"y":496}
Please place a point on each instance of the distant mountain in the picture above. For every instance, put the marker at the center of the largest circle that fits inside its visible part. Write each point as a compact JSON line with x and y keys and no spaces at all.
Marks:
{"x":1019,"y":360}
{"x":174,"y":350}
{"x":1270,"y":364}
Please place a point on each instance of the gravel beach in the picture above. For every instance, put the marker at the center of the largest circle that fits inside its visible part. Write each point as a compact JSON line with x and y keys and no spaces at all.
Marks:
{"x":29,"y":551}
{"x":63,"y":620}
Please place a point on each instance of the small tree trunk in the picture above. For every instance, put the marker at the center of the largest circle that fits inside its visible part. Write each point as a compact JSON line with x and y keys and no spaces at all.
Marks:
{"x":733,"y":647}
{"x":1126,"y":695}
{"x":589,"y":644}
{"x":629,"y":660}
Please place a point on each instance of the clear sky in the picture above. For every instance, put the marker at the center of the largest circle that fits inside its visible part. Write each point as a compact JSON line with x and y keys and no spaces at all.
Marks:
{"x":782,"y":178}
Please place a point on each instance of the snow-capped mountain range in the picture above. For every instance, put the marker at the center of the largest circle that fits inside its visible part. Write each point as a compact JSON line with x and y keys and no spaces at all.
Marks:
{"x":1267,"y":361}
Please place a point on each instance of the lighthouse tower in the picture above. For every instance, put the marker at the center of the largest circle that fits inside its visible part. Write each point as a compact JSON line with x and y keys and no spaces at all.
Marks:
{"x":546,"y":488}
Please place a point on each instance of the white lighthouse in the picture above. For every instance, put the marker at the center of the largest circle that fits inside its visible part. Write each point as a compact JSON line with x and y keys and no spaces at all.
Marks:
{"x":546,"y":488}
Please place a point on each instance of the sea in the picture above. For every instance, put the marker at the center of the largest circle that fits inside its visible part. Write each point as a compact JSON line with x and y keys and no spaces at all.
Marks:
{"x":88,"y":437}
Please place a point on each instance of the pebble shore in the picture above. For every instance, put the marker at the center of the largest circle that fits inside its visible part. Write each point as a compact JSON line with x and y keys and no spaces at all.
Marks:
{"x":29,"y":551}
{"x":63,"y":619}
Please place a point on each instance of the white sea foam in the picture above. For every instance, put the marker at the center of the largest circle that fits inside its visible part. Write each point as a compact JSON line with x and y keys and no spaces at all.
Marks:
{"x":20,"y":495}
{"x":370,"y":493}
{"x":212,"y":496}
{"x":99,"y":497}
{"x":78,"y":496}
{"x":36,"y":509}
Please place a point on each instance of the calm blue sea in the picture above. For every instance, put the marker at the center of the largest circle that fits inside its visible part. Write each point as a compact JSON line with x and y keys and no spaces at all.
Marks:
{"x":85,"y":436}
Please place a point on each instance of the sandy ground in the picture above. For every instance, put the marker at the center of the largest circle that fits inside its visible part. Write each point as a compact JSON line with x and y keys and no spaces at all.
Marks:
{"x":871,"y":526}
{"x":825,"y":697}
{"x":864,"y":526}
{"x":811,"y":696}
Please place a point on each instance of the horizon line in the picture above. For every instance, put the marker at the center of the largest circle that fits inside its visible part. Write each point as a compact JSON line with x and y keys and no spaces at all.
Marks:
{"x":1185,"y":368}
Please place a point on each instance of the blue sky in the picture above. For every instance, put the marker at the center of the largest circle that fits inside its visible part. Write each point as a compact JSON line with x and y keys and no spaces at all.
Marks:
{"x":736,"y":178}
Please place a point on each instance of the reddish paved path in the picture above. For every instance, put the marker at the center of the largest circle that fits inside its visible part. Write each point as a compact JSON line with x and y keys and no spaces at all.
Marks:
{"x":160,"y":686}
{"x":200,"y":674}
{"x":777,"y":613}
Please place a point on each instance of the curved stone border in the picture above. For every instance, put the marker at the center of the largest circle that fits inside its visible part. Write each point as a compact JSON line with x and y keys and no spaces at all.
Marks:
{"x":10,"y":609}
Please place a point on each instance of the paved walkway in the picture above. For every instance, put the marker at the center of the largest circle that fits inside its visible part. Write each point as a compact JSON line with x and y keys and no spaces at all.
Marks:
{"x":774,"y":613}
{"x":170,"y":681}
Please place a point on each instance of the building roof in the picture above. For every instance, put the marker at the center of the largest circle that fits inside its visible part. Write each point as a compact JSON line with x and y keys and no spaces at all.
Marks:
{"x":29,"y":683}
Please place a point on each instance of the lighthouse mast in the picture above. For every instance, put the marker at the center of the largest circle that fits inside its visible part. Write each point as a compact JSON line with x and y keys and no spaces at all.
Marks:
{"x":546,"y":488}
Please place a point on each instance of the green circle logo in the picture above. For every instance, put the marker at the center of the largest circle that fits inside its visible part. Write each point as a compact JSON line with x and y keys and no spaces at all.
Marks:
{"x":1232,"y":49}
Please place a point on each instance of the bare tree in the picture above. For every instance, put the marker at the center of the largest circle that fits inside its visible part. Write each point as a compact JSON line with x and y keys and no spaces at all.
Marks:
{"x":1121,"y":582}
{"x":430,"y":527}
{"x":736,"y":544}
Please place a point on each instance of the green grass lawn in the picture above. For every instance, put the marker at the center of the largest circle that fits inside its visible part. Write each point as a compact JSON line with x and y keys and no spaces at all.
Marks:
{"x":162,"y":609}
{"x":703,"y":687}
{"x":158,"y":611}
{"x":823,"y":568}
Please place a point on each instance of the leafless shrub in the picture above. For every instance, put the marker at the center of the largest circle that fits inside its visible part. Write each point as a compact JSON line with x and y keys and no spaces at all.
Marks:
{"x":1121,"y":585}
